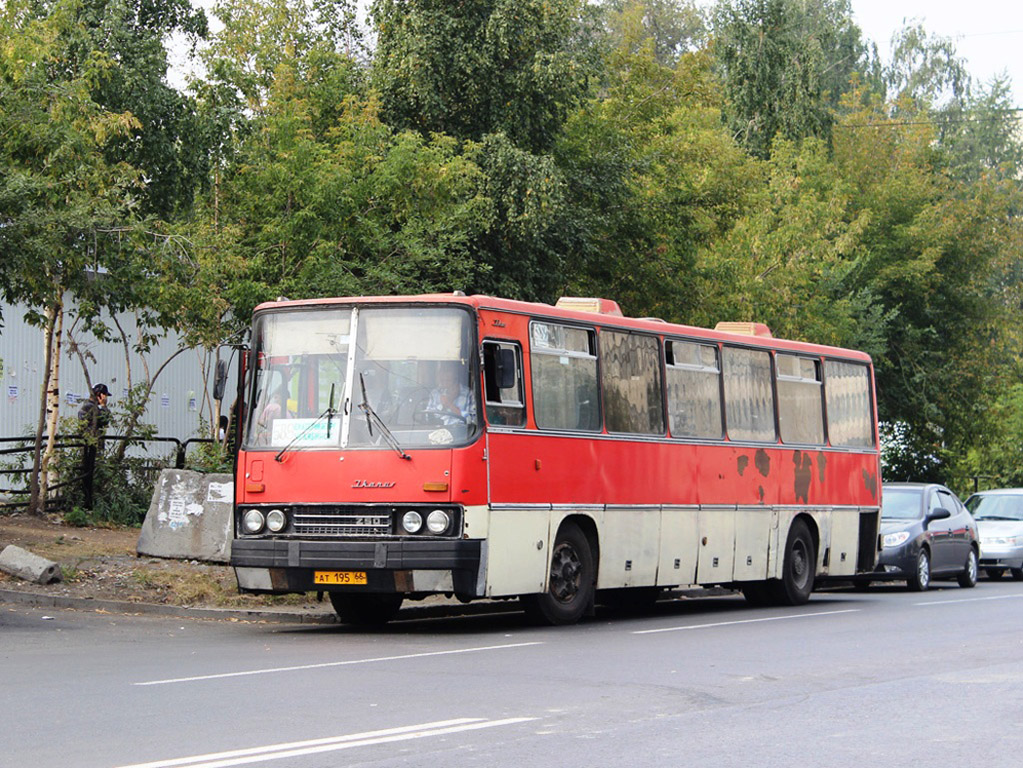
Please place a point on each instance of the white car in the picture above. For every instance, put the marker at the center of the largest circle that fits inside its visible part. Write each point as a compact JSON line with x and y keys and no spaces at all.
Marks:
{"x":999,"y":516}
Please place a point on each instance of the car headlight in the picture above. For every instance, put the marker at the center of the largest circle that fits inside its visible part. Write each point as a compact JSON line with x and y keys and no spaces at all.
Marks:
{"x":1003,"y":540}
{"x":412,"y":521}
{"x":276,"y":520}
{"x":894,"y":539}
{"x":438,"y":521}
{"x":253,"y":521}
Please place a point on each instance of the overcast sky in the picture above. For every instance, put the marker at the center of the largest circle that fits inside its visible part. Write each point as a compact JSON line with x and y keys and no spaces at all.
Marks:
{"x":987,"y":33}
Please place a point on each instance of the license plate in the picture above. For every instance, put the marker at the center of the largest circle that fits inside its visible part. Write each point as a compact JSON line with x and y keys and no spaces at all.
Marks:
{"x":339,"y":577}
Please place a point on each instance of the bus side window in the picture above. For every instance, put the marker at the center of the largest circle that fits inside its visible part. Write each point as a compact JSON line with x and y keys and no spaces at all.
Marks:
{"x":849,"y":407}
{"x":800,"y":405}
{"x":502,"y":381}
{"x":563,"y":365}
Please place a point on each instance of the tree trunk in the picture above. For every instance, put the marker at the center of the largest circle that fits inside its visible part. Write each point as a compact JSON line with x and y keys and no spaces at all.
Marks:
{"x":52,"y":400}
{"x":37,"y":502}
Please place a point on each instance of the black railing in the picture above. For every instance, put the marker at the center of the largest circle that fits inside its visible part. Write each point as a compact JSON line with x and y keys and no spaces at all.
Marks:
{"x":84,"y":478}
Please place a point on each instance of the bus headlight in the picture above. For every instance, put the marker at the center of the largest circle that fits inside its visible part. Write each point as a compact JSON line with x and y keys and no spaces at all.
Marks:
{"x":253,"y":521}
{"x":412,"y":521}
{"x":276,"y":520}
{"x":438,"y":521}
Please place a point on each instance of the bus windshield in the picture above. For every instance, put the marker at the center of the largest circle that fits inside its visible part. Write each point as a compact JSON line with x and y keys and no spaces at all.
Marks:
{"x":390,"y":374}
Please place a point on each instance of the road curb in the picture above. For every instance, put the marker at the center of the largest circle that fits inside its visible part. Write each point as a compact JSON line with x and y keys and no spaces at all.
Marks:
{"x":278,"y":615}
{"x":17,"y":597}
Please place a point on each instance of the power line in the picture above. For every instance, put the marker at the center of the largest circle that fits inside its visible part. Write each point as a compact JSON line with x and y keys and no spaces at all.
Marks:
{"x":938,"y":121}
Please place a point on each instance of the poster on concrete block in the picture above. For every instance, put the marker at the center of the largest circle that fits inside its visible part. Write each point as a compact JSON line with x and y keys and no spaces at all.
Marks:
{"x":189,"y":517}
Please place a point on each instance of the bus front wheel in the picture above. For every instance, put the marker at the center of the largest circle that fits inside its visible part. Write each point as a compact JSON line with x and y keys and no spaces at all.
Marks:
{"x":365,"y":610}
{"x":570,"y":586}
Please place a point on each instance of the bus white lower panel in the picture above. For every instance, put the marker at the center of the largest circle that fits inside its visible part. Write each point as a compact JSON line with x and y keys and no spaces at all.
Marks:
{"x":680,"y":542}
{"x":844,"y":542}
{"x":752,"y":542}
{"x":519,"y":555}
{"x":717,"y":545}
{"x":628,"y":547}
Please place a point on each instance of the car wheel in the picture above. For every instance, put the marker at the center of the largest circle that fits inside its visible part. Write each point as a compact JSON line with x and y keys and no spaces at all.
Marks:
{"x":920,"y":579}
{"x":1017,"y":574}
{"x":968,"y":577}
{"x":994,"y":573}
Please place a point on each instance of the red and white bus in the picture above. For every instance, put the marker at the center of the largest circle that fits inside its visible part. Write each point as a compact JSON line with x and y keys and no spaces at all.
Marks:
{"x":398,"y":447}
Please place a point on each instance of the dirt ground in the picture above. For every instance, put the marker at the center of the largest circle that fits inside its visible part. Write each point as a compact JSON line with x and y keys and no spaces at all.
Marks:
{"x":101,"y":563}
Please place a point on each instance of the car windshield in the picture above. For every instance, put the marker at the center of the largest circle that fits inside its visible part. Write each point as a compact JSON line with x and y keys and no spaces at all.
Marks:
{"x":386,"y":374}
{"x":901,"y":503}
{"x":995,"y":506}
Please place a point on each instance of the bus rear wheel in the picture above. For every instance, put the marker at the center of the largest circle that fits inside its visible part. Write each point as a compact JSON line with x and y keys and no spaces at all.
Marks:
{"x":571,"y":584}
{"x":799,"y":568}
{"x":365,"y":610}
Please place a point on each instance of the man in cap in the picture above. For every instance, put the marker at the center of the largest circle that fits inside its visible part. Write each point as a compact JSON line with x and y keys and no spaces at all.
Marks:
{"x":94,"y":414}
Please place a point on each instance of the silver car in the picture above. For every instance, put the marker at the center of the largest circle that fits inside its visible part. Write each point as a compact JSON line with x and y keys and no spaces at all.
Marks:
{"x":999,"y":516}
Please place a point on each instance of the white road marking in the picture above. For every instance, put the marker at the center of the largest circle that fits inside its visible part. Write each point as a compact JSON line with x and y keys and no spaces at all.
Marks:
{"x":968,"y":600}
{"x":744,"y":621}
{"x":335,"y":664}
{"x":316,"y":746}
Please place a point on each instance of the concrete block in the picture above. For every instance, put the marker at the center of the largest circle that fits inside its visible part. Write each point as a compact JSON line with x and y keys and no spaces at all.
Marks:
{"x":189,"y":517}
{"x":30,"y":567}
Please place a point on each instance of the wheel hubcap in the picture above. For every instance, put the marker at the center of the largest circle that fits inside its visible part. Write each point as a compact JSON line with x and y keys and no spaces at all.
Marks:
{"x":800,"y":563}
{"x":923,"y":569}
{"x":566,"y":569}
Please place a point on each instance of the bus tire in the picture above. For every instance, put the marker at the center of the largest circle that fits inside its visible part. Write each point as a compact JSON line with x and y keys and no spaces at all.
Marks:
{"x":798,"y":569}
{"x":365,"y":610}
{"x":570,"y":587}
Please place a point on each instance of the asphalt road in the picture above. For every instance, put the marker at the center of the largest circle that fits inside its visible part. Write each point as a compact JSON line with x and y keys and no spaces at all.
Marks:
{"x":882,"y":678}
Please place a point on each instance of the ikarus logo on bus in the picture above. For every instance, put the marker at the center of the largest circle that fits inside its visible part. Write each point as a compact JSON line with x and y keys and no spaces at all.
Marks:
{"x":372,"y":484}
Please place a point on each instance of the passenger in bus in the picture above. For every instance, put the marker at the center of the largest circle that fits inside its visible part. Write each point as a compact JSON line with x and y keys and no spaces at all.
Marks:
{"x":277,"y":408}
{"x":451,"y":400}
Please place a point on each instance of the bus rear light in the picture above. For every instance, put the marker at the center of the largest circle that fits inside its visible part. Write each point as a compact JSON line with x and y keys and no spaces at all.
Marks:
{"x":253,"y":521}
{"x":438,"y":521}
{"x":435,"y":486}
{"x":276,"y":520}
{"x":412,"y":521}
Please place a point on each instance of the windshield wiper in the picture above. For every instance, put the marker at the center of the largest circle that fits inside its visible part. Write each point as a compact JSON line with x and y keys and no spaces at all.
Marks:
{"x":372,"y":416}
{"x":329,"y":413}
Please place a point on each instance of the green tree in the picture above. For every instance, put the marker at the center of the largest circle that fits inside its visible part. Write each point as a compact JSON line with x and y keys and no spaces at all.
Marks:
{"x":315,"y":195}
{"x":784,"y":66}
{"x":482,"y":67}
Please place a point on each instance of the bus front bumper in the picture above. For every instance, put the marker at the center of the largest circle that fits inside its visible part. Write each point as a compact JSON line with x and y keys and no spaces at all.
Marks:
{"x":279,"y":566}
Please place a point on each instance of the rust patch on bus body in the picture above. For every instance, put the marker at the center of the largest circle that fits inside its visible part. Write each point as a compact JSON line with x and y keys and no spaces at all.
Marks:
{"x":822,"y":463}
{"x":870,"y":483}
{"x":804,"y":474}
{"x":762,"y":460}
{"x":742,"y":463}
{"x":760,"y":491}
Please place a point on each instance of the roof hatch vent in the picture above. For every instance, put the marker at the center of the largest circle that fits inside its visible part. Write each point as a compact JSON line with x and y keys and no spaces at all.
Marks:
{"x":745,"y":329}
{"x":597,"y":306}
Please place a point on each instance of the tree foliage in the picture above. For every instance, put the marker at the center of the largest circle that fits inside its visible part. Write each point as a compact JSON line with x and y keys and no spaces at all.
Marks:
{"x":759,"y":163}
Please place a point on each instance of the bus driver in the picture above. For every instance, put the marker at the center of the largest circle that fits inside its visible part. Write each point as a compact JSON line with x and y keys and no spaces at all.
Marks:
{"x":451,"y":399}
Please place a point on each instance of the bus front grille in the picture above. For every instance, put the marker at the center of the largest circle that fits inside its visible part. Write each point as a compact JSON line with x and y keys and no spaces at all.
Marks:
{"x":334,"y":521}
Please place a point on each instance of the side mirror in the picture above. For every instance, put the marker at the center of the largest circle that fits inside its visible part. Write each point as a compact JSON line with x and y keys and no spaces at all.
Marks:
{"x":504,"y":368}
{"x":938,"y":514}
{"x":220,"y":380}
